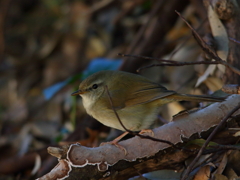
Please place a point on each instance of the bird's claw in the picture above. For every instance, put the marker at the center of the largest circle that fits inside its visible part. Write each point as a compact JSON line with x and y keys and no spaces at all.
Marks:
{"x":147,"y":131}
{"x":115,"y":143}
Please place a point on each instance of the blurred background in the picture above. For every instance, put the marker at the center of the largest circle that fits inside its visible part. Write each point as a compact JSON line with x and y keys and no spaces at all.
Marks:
{"x":48,"y":47}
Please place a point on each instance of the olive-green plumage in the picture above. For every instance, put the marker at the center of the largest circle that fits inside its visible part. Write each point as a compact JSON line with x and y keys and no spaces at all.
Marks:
{"x":135,"y":98}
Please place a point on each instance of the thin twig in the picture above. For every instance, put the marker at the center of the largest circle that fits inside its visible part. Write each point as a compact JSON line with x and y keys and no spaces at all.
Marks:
{"x":234,"y":40}
{"x":146,"y":57}
{"x":226,"y":147}
{"x":177,"y":63}
{"x":115,"y":112}
{"x":207,"y":48}
{"x":214,"y":155}
{"x":190,"y":167}
{"x":186,"y":39}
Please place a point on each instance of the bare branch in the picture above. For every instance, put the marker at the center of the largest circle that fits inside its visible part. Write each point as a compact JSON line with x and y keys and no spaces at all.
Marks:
{"x":177,"y":63}
{"x":142,"y":153}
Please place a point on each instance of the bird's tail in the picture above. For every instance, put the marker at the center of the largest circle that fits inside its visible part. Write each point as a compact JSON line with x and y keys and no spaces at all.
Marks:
{"x":197,"y":98}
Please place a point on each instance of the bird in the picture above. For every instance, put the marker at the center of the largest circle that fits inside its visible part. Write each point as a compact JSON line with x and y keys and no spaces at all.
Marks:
{"x":135,"y":98}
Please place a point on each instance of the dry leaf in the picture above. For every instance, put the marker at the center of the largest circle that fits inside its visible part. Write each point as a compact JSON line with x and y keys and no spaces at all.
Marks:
{"x":221,"y":39}
{"x":213,"y":83}
{"x":203,"y":174}
{"x":220,"y":35}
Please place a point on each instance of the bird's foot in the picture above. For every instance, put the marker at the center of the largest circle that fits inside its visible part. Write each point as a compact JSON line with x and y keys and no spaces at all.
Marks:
{"x":147,"y":131}
{"x":115,"y":143}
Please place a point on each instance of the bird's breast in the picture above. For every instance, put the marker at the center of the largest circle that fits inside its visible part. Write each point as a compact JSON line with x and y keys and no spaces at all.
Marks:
{"x":87,"y":104}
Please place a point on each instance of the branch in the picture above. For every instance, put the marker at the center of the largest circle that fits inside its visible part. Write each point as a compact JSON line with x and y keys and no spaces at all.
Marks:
{"x":177,"y":63}
{"x":143,"y":154}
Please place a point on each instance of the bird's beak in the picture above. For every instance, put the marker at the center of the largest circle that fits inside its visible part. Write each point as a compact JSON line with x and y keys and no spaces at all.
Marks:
{"x":78,"y":92}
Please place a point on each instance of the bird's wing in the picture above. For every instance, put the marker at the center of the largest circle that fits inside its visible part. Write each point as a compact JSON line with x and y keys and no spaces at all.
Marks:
{"x":148,"y":92}
{"x":117,"y":99}
{"x":139,"y":93}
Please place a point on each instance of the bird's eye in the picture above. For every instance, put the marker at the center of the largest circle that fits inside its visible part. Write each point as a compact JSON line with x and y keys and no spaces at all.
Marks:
{"x":95,"y":86}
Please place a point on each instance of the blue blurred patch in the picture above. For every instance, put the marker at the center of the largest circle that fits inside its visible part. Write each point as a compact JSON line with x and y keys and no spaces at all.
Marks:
{"x":50,"y":91}
{"x":97,"y":64}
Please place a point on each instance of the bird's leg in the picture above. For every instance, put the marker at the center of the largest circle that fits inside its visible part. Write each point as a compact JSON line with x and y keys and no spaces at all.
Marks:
{"x":115,"y":142}
{"x":120,"y":137}
{"x":147,"y":131}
